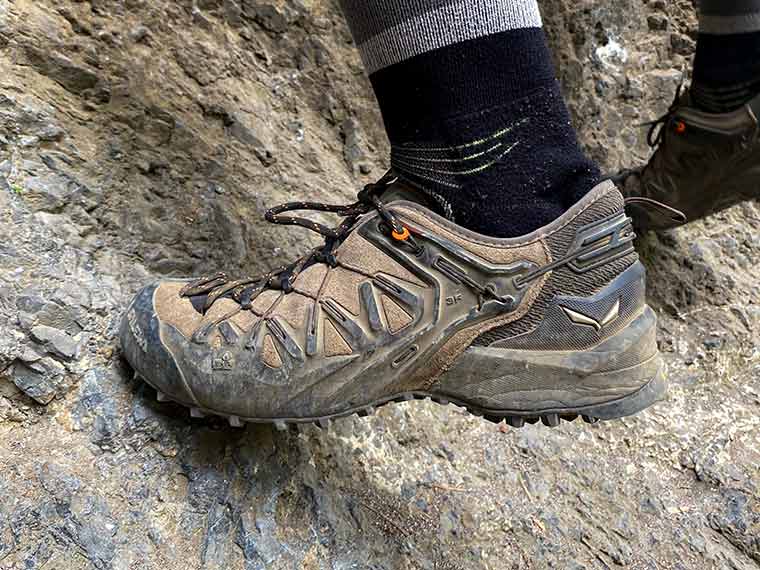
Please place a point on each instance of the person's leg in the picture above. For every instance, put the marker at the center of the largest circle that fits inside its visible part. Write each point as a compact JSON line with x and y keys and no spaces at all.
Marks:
{"x":727,"y":63}
{"x":472,"y":108}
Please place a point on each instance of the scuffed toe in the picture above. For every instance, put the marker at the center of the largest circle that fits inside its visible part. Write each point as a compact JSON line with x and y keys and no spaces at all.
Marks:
{"x":144,"y":350}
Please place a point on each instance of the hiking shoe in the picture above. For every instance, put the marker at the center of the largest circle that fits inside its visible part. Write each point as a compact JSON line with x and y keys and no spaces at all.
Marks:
{"x":401,"y":303}
{"x":703,"y":163}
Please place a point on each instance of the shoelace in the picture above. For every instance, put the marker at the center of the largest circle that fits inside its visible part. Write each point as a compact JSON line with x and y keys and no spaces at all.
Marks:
{"x":656,"y":133}
{"x":245,"y":291}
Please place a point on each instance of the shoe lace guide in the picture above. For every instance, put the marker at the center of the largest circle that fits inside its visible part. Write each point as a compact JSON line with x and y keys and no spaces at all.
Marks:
{"x":245,"y":291}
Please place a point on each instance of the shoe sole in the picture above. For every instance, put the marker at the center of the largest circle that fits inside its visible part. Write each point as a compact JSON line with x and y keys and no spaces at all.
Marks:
{"x":649,"y":394}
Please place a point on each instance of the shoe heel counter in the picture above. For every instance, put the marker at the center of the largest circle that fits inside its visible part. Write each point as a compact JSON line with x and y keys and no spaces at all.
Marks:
{"x":600,"y":243}
{"x":588,"y":343}
{"x":594,"y":354}
{"x":578,"y":322}
{"x":595,"y":278}
{"x":602,"y":256}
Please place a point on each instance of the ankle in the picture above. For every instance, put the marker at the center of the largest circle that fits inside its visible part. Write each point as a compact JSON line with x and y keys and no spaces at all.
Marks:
{"x":503,"y":172}
{"x":726,"y":70}
{"x":723,"y":98}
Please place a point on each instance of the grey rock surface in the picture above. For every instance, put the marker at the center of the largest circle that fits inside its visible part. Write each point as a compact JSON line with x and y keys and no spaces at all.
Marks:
{"x":144,"y":139}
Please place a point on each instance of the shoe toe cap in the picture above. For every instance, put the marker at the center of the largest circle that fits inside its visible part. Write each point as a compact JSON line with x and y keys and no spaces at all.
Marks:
{"x":144,"y":350}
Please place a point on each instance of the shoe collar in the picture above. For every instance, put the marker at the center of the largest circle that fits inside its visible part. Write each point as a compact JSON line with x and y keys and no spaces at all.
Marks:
{"x":602,"y":189}
{"x":734,"y":123}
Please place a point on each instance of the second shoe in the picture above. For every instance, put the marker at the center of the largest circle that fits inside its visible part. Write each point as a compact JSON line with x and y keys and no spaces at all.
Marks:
{"x":703,"y":163}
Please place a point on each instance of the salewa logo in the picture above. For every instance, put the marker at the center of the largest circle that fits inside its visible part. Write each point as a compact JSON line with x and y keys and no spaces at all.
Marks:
{"x":584,"y":320}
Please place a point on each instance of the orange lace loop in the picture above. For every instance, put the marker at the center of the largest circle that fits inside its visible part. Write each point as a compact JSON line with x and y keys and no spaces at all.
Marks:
{"x":403,"y":235}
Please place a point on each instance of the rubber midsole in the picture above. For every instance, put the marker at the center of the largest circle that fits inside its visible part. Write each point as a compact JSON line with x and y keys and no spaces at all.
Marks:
{"x":629,"y":404}
{"x":619,"y":377}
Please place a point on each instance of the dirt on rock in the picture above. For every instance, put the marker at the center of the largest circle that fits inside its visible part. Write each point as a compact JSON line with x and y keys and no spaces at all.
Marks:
{"x":141,"y":139}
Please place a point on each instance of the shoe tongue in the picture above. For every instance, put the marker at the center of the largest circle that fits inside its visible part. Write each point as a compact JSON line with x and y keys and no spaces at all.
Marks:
{"x":199,"y":303}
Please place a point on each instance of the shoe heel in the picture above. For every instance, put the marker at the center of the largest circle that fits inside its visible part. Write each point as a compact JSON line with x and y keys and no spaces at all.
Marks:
{"x":619,"y":377}
{"x":652,"y":392}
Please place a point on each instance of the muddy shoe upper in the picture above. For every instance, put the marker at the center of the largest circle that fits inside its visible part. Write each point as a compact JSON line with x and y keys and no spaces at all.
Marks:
{"x":402,"y":303}
{"x":703,"y":163}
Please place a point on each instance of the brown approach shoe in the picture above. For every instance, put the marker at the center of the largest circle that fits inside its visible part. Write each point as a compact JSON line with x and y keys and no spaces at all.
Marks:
{"x":703,"y":163}
{"x":403,"y":304}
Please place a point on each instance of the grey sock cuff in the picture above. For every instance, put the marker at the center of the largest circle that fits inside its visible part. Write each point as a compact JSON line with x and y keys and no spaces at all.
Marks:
{"x":392,"y":31}
{"x":725,"y":17}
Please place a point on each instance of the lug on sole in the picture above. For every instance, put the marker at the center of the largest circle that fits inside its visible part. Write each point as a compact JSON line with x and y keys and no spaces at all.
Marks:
{"x":651,"y":393}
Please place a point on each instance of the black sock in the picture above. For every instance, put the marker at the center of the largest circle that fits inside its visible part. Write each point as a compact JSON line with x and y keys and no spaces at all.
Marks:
{"x":479,"y":124}
{"x":727,"y":62}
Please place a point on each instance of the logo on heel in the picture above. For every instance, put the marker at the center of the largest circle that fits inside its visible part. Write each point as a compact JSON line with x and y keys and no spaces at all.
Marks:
{"x":588,"y":321}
